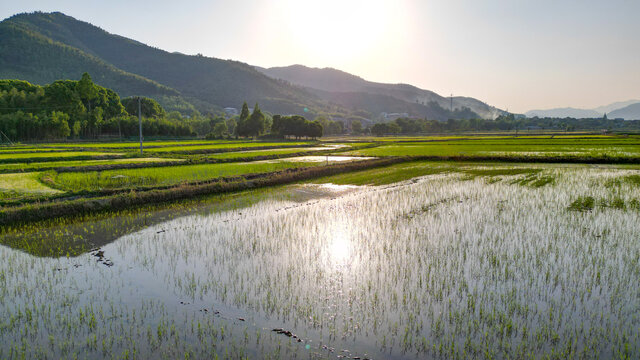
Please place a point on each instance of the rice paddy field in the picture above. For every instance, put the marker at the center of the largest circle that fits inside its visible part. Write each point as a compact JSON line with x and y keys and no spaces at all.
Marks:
{"x":410,"y":259}
{"x":533,"y":147}
{"x":170,"y":175}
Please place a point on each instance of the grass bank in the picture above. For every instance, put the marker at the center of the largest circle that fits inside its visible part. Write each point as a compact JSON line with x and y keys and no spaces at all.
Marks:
{"x":42,"y":211}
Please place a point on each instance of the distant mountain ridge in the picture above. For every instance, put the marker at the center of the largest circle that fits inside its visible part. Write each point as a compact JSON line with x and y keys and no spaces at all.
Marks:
{"x":44,"y":47}
{"x":332,"y":83}
{"x":628,"y":110}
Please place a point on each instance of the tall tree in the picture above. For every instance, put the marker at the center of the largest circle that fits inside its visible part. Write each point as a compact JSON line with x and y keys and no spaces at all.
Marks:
{"x":244,"y":113}
{"x":87,"y":90}
{"x":256,"y":122}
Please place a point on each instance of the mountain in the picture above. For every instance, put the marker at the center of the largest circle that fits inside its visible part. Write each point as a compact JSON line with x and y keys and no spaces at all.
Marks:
{"x":615,"y":106}
{"x":565,"y":112}
{"x":630,"y":112}
{"x":588,"y":113}
{"x":28,"y":55}
{"x":43,"y":47}
{"x":331,"y":84}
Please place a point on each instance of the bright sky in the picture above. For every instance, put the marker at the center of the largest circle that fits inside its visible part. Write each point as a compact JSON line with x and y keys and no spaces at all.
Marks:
{"x":515,"y":54}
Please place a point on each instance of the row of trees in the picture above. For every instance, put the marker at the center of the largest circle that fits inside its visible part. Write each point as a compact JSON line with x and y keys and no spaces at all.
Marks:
{"x":255,"y":123}
{"x":503,"y":123}
{"x":251,"y":124}
{"x":296,"y":126}
{"x":68,"y":108}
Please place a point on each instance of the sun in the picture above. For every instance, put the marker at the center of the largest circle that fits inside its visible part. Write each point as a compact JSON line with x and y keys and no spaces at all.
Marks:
{"x":339,"y":31}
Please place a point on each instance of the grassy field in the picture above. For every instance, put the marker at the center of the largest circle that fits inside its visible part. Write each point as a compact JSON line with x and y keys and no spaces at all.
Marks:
{"x":129,"y":172}
{"x":122,"y":145}
{"x":18,"y":167}
{"x":45,"y":155}
{"x":170,"y":175}
{"x":614,"y":147}
{"x":23,"y":184}
{"x":226,"y":146}
{"x":268,"y":152}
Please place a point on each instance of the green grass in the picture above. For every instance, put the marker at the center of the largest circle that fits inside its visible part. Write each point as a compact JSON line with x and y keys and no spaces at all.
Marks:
{"x":45,"y":155}
{"x":122,"y":145}
{"x":225,"y":146}
{"x":76,"y":163}
{"x":12,"y":185}
{"x":163,"y":176}
{"x":613,"y":147}
{"x":268,"y":152}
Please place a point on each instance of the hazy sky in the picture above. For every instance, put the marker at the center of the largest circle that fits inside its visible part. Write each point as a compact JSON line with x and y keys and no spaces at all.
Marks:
{"x":514,"y":54}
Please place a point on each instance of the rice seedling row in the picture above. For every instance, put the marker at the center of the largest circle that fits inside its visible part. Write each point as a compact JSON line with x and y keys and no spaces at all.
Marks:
{"x":455,"y":264}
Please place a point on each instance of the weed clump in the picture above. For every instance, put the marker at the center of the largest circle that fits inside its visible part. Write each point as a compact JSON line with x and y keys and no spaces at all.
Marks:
{"x":583,"y":203}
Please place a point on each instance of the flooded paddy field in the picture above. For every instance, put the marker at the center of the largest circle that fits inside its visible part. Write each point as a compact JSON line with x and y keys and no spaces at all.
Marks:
{"x":484,"y":261}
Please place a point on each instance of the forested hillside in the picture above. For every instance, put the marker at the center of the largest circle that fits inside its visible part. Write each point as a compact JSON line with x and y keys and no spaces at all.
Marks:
{"x":42,"y":47}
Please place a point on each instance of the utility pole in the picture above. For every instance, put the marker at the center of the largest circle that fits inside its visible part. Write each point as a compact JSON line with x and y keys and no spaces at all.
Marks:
{"x":452,"y":103}
{"x":140,"y":121}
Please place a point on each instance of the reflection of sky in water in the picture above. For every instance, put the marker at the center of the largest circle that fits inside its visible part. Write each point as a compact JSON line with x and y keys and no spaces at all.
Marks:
{"x":370,"y":270}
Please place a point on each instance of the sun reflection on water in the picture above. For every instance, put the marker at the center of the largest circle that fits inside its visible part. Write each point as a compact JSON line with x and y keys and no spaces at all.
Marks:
{"x":339,"y":245}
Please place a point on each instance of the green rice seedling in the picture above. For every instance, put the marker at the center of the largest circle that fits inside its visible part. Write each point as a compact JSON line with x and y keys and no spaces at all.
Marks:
{"x":489,"y":270}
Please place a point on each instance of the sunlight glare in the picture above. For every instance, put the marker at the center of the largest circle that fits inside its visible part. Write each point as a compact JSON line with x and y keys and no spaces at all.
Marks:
{"x":339,"y":30}
{"x":339,"y":250}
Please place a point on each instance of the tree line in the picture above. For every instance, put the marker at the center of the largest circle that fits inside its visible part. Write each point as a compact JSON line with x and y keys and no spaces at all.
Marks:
{"x":502,"y":123}
{"x":81,"y":109}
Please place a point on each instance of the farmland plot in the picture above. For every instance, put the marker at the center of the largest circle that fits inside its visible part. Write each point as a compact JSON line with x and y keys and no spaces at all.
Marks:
{"x":458,"y":264}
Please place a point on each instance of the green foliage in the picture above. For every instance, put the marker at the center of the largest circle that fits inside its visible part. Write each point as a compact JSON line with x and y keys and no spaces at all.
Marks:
{"x":220,"y":130}
{"x":251,"y":125}
{"x":170,"y":175}
{"x":330,"y":127}
{"x":385,"y":129}
{"x":296,"y":126}
{"x":150,"y":107}
{"x":583,"y":203}
{"x":356,"y":127}
{"x":83,"y":109}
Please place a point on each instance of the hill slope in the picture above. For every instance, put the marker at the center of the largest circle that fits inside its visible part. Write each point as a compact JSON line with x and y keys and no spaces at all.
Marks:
{"x":565,"y":112}
{"x":621,"y":109}
{"x":332,"y":82}
{"x":631,"y":112}
{"x":28,"y":55}
{"x":208,"y":80}
{"x":43,"y":47}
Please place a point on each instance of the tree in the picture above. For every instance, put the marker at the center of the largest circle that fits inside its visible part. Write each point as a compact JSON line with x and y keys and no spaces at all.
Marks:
{"x":219,"y":130}
{"x":149,"y":107}
{"x":380,"y":129}
{"x":314,"y":129}
{"x":244,"y":113}
{"x":231,"y":125}
{"x":356,"y":127}
{"x":256,"y":122}
{"x":86,"y":90}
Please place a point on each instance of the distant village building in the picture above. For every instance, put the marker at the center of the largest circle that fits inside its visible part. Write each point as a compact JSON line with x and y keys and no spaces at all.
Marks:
{"x":230,"y":112}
